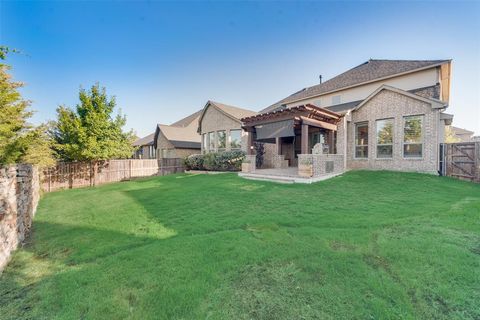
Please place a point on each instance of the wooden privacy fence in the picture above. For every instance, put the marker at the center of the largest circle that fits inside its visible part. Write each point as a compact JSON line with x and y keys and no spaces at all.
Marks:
{"x":171,"y":165}
{"x":460,"y":160}
{"x":68,"y":175}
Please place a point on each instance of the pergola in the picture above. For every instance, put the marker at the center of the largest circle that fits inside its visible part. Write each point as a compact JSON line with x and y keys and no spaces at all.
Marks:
{"x":284,"y":122}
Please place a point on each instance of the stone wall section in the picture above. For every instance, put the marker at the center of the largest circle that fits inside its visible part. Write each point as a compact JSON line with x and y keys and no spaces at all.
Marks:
{"x":19,"y":196}
{"x":387,"y":104}
{"x":323,"y":164}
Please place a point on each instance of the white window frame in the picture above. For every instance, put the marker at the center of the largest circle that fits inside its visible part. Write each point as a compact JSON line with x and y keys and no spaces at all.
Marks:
{"x":384,"y":144}
{"x":205,"y":142}
{"x":422,"y":142}
{"x":361,"y":145}
{"x":214,"y":149}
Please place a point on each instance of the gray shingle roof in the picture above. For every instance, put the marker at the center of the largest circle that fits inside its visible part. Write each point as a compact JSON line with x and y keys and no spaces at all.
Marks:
{"x":145,"y":141}
{"x":187,"y":120}
{"x":235,"y":112}
{"x":365,"y":72}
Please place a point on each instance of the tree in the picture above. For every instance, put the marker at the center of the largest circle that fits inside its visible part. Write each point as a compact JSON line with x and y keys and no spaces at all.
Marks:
{"x":91,"y":131}
{"x":19,"y":140}
{"x":450,"y":135}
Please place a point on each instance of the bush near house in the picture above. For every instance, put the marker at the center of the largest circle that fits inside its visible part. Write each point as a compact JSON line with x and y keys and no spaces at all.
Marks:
{"x":216,"y":161}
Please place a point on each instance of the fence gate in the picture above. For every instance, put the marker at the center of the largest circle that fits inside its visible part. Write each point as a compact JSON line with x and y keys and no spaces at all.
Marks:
{"x":461,"y":160}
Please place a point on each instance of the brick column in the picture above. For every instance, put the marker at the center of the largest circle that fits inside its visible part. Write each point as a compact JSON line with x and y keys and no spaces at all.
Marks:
{"x":249,"y":142}
{"x":304,"y":149}
{"x":278,"y":146}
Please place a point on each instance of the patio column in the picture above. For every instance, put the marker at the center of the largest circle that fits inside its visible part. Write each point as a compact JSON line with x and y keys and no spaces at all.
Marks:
{"x":278,"y":146}
{"x":331,"y":147}
{"x":249,"y":142}
{"x":304,"y":149}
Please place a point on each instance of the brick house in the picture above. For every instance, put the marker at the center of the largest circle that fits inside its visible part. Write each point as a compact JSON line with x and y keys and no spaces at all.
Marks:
{"x":144,"y":148}
{"x":220,"y":127}
{"x":178,"y":140}
{"x":382,"y":114}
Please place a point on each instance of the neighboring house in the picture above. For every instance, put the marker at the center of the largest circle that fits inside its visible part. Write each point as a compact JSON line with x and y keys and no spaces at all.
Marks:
{"x":221,"y":128}
{"x":144,"y":148}
{"x":461,"y":135}
{"x":178,"y":140}
{"x":382,"y":114}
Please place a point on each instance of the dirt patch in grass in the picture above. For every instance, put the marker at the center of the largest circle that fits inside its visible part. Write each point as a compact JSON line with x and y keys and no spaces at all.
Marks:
{"x":269,"y":291}
{"x":341,"y":246}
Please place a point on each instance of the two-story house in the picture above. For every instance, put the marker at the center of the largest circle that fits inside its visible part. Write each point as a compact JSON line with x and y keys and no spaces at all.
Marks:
{"x":381,"y":114}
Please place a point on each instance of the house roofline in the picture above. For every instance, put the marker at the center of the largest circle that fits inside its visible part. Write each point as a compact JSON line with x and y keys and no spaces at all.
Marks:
{"x":436,"y":104}
{"x":212,"y":103}
{"x":370,"y":81}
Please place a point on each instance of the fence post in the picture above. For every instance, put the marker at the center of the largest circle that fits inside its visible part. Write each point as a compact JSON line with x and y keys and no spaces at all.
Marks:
{"x":476,"y":155}
{"x":130,"y":167}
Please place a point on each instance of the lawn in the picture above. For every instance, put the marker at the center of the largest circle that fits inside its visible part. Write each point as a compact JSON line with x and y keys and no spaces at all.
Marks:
{"x":365,"y":245}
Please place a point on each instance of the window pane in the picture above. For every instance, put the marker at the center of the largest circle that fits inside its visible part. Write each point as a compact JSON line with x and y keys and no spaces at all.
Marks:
{"x":211,"y":141}
{"x":361,"y":134}
{"x":361,"y":152}
{"x":222,"y":140}
{"x":361,"y":140}
{"x":385,"y":151}
{"x":412,"y":132}
{"x":412,"y":150}
{"x":205,"y":142}
{"x":385,"y":131}
{"x":235,"y":139}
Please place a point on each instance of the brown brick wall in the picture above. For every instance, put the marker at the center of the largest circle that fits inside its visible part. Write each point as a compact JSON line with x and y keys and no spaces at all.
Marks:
{"x":214,"y":120}
{"x":388,"y":104}
{"x":163,"y":143}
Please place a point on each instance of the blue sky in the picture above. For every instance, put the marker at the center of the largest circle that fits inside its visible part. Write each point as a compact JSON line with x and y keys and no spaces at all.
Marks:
{"x":164,"y":60}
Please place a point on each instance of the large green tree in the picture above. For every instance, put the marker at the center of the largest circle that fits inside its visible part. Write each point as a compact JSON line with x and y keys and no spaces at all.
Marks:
{"x":19,"y":140}
{"x":91,"y":131}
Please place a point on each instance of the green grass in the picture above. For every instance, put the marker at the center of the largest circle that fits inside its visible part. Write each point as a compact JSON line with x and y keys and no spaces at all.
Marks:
{"x":365,"y":245}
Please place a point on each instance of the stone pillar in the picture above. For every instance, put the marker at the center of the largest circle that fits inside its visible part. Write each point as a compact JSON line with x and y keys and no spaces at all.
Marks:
{"x":278,"y":146}
{"x":249,"y":142}
{"x":304,"y":149}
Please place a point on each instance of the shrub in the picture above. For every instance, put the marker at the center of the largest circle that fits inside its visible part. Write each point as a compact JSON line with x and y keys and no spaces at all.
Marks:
{"x":194,"y":162}
{"x":216,"y":161}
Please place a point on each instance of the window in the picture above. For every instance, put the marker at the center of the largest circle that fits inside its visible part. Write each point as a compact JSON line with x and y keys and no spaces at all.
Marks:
{"x":385,"y":138}
{"x":412,"y":137}
{"x":361,"y":140}
{"x":235,"y":139}
{"x":211,"y":141}
{"x":336,"y":99}
{"x":221,"y":140}
{"x":205,"y":142}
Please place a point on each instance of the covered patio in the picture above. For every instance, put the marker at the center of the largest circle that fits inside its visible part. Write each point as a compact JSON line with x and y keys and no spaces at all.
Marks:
{"x":297,"y":138}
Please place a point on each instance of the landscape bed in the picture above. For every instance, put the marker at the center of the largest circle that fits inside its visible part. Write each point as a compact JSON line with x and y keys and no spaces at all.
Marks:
{"x":364,"y":245}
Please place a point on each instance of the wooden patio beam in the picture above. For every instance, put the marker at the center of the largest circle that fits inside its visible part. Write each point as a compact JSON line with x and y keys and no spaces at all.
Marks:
{"x":318,"y":123}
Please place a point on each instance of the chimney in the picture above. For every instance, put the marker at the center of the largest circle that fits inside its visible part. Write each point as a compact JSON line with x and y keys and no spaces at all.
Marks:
{"x":320,"y":76}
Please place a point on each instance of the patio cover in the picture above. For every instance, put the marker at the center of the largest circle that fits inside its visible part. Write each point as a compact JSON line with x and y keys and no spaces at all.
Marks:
{"x":275,"y":130}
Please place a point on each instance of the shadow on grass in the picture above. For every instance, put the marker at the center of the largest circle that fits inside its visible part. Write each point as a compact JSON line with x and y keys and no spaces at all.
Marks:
{"x":60,"y":263}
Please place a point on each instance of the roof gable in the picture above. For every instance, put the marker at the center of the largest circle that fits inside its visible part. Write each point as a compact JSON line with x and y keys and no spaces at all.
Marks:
{"x":369,"y":71}
{"x":433,"y":102}
{"x":180,"y":137}
{"x":232,"y":112}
